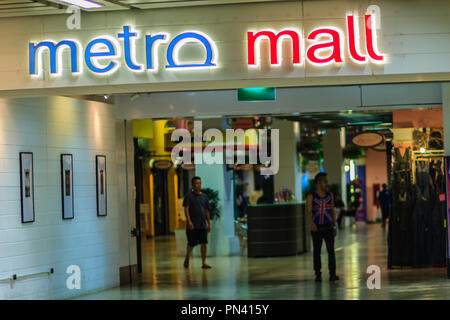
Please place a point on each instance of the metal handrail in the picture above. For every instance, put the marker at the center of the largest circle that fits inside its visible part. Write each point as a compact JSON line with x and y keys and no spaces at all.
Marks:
{"x":15,"y":277}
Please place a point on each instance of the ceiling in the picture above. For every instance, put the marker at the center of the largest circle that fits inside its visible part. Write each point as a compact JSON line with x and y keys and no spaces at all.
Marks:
{"x":374,"y":120}
{"x":18,"y":8}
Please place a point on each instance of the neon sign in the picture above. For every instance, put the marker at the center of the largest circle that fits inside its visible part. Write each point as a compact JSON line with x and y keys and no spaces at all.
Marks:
{"x":102,"y":55}
{"x":319,"y":52}
{"x":109,"y":49}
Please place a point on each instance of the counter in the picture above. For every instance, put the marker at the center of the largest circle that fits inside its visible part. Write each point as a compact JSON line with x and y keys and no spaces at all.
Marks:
{"x":277,"y":230}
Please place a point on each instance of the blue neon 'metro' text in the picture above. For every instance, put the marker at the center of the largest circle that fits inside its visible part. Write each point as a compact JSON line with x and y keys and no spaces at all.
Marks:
{"x":101,"y":55}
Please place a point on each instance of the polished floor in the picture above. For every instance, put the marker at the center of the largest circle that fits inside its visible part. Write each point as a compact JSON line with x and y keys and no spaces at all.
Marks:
{"x":284,"y":278}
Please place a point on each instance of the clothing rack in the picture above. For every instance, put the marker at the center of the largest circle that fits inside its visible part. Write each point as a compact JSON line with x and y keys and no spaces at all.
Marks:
{"x":429,"y":153}
{"x":417,"y":236}
{"x":426,"y":156}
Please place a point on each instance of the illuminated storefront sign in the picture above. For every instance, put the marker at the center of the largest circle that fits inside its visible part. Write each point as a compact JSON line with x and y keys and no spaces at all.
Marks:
{"x":101,"y":55}
{"x":333,"y":46}
{"x":110,"y":49}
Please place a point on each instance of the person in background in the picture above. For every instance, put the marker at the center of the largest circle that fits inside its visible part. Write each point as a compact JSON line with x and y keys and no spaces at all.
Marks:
{"x":255,"y":195}
{"x":322,"y":218}
{"x":384,"y":199}
{"x":241,"y":201}
{"x":340,"y":208}
{"x":351,"y":210}
{"x":196,"y":208}
{"x":246,"y":196}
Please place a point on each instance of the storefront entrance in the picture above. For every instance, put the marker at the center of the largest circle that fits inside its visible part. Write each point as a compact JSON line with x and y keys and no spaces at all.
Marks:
{"x":106,"y":88}
{"x":362,"y":151}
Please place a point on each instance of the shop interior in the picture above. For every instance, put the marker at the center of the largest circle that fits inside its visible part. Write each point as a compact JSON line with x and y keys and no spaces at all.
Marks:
{"x":360,"y":151}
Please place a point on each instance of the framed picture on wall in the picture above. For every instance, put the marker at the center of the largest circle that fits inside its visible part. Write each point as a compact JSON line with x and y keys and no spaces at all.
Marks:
{"x":67,"y":186}
{"x":101,"y":186}
{"x":27,"y":187}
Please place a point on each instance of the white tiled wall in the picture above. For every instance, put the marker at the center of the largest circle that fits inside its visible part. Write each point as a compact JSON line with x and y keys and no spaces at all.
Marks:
{"x":48,"y":127}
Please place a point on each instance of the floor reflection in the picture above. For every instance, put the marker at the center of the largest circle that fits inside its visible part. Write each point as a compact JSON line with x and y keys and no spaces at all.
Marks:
{"x":238,"y":277}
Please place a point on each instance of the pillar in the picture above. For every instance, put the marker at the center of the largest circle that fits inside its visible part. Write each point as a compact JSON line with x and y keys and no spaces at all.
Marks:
{"x":126,"y":201}
{"x":333,"y":159}
{"x":222,"y":240}
{"x":172,"y":186}
{"x":343,"y":173}
{"x":289,"y":173}
{"x":446,"y":115}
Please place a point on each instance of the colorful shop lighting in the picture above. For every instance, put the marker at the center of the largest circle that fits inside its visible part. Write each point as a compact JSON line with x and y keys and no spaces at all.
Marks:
{"x":352,"y":170}
{"x":85,"y":4}
{"x":365,"y":123}
{"x":256,"y":94}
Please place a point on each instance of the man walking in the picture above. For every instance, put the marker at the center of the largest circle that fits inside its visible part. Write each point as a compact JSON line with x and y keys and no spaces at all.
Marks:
{"x":384,"y":199}
{"x":322,"y":218}
{"x":198,"y":222}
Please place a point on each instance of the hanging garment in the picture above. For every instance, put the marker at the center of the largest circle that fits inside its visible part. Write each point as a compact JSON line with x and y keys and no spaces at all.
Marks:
{"x":400,"y":235}
{"x":402,"y":166}
{"x":402,"y":162}
{"x":401,"y":229}
{"x":436,"y":141}
{"x":435,"y":170}
{"x":422,"y":217}
{"x":438,"y":218}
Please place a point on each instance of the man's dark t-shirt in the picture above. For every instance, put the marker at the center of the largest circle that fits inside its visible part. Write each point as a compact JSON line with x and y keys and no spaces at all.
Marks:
{"x":198,"y":204}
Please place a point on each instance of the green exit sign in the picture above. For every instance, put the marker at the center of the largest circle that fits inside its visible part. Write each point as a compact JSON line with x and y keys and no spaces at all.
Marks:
{"x":256,"y":94}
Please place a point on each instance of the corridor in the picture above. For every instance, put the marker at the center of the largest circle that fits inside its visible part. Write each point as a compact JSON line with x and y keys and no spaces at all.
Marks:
{"x":285,"y":278}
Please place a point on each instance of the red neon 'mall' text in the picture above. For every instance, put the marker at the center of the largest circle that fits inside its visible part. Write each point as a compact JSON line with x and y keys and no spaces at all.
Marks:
{"x":319,"y":52}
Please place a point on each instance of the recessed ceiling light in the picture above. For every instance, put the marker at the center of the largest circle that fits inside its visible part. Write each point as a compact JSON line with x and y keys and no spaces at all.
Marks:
{"x":85,"y":4}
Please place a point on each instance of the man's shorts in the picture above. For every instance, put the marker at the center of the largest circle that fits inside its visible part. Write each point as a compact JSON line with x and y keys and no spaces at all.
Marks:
{"x":197,"y":236}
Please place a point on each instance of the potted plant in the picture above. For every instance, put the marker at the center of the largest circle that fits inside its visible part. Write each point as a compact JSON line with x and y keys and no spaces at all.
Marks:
{"x":310,"y":148}
{"x":213,"y":197}
{"x":353,"y":152}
